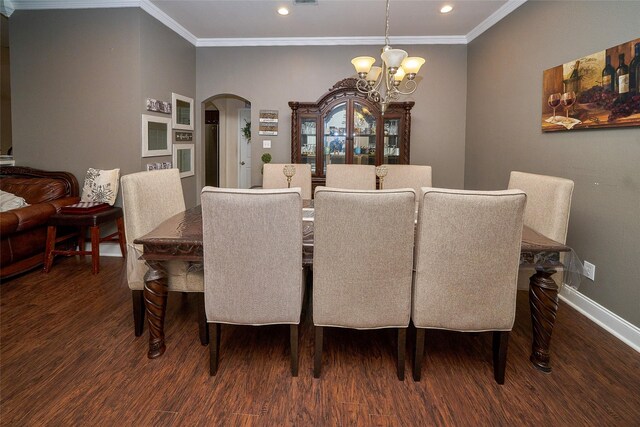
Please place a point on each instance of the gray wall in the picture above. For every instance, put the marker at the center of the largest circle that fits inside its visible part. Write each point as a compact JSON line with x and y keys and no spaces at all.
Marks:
{"x":168,"y":64}
{"x":79,"y":82}
{"x":505,"y":66}
{"x":270,"y":77}
{"x":75,"y":80}
{"x":5,"y":87}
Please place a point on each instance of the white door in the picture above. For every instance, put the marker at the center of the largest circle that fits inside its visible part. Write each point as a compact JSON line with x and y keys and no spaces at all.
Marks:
{"x":244,"y":149}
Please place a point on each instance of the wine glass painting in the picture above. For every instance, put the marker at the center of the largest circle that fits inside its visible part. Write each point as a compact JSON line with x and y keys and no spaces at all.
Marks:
{"x":554,"y":102}
{"x":601,"y":90}
{"x":567,"y":100}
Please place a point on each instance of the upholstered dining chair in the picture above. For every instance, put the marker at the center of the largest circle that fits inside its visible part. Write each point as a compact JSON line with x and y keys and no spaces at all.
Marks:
{"x":467,"y":255}
{"x":274,"y":177}
{"x":371,"y":290}
{"x":252,"y":241}
{"x":548,"y":208}
{"x":407,"y":176}
{"x":412,"y":176}
{"x":148,"y":199}
{"x":353,"y":177}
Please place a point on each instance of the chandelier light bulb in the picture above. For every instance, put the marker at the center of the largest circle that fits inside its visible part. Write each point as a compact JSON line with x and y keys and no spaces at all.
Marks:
{"x":393,"y":58}
{"x":398,"y":76}
{"x":363,"y":64}
{"x":373,"y":74}
{"x":412,"y":65}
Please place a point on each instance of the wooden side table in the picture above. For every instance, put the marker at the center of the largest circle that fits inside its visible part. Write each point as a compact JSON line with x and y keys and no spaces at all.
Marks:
{"x":82,"y":221}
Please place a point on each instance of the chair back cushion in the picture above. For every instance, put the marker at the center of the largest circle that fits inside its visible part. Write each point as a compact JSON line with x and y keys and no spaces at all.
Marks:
{"x":353,"y":177}
{"x":411,"y":176}
{"x":252,"y":241}
{"x":548,"y":203}
{"x":274,"y":178}
{"x":363,"y":258}
{"x":148,"y":199}
{"x":466,"y":260}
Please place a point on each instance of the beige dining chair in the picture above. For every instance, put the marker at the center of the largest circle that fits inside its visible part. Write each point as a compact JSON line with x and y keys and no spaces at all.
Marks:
{"x":148,"y":199}
{"x":407,"y":176}
{"x":467,"y":255}
{"x":362,"y":263}
{"x":274,"y":177}
{"x":412,"y":176}
{"x":353,"y":177}
{"x":252,"y":242}
{"x":548,"y":208}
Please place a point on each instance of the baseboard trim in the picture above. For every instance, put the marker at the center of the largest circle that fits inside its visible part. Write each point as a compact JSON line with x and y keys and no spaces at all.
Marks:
{"x":106,"y":249}
{"x":606,"y":319}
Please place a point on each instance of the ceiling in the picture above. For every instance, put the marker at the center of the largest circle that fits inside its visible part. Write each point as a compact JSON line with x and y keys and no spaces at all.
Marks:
{"x":256,"y":22}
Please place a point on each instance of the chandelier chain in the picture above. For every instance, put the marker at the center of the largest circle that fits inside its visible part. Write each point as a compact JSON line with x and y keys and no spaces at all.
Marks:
{"x":386,"y":28}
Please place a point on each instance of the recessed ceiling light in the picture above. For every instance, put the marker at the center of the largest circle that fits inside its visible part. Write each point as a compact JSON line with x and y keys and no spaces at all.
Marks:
{"x":446,"y":9}
{"x":283,"y":11}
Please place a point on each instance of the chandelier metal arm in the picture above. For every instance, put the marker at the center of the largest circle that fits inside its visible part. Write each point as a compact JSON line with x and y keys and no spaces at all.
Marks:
{"x":411,"y":87}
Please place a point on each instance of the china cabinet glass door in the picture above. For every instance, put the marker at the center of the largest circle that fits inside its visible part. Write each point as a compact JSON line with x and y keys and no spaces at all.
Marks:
{"x":391,"y":141}
{"x":335,"y":136}
{"x":344,"y":127}
{"x":308,"y":142}
{"x":364,"y":135}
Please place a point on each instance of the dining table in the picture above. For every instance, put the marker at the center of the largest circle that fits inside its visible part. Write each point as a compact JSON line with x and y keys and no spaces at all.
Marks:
{"x":179,"y":238}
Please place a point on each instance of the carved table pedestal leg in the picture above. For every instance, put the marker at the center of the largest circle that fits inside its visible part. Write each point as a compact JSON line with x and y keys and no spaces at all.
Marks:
{"x":155,"y":301}
{"x":543,"y":299}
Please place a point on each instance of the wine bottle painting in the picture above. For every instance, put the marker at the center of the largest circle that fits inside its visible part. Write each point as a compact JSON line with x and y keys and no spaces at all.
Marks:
{"x":601,"y":90}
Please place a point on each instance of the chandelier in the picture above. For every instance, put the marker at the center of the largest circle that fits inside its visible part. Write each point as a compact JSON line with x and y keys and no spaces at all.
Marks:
{"x":397,"y":66}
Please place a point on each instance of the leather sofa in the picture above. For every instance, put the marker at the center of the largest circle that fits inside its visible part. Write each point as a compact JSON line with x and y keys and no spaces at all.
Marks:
{"x":23,"y":231}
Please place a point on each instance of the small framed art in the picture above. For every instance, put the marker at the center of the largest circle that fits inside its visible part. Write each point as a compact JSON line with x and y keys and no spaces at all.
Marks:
{"x":183,"y":159}
{"x":182,"y":112}
{"x":156,"y":136}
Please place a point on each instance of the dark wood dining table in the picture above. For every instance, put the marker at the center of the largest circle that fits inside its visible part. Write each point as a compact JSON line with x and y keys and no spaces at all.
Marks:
{"x":180,"y":238}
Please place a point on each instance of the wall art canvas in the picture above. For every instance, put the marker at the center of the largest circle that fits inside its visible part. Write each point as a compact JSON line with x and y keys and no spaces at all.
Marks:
{"x":268,"y":123}
{"x":158,"y":106}
{"x":601,"y":90}
{"x":183,"y":136}
{"x":158,"y":166}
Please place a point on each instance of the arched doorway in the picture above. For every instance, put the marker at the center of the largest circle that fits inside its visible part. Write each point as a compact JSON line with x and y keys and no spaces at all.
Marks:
{"x":227,"y":152}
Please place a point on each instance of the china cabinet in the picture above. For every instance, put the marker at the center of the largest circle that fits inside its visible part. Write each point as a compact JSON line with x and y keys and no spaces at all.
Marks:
{"x":344,"y":127}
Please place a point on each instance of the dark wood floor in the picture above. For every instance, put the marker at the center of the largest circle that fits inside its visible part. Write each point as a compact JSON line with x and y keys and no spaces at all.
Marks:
{"x":69,"y":357}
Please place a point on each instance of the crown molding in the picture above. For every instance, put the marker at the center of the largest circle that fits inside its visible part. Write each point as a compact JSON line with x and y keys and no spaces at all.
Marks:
{"x":9,"y":6}
{"x":327,"y":41}
{"x":157,"y":13}
{"x":496,"y":16}
{"x":145,"y":5}
{"x":72,"y":4}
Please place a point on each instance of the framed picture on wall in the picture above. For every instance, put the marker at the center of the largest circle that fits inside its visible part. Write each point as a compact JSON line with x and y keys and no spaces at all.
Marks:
{"x":183,"y":159}
{"x":182,"y":112}
{"x":156,"y":136}
{"x":596,"y":91}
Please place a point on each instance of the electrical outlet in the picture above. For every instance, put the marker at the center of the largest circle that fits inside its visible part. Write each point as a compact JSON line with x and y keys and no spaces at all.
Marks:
{"x":589,"y":270}
{"x":266,"y":143}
